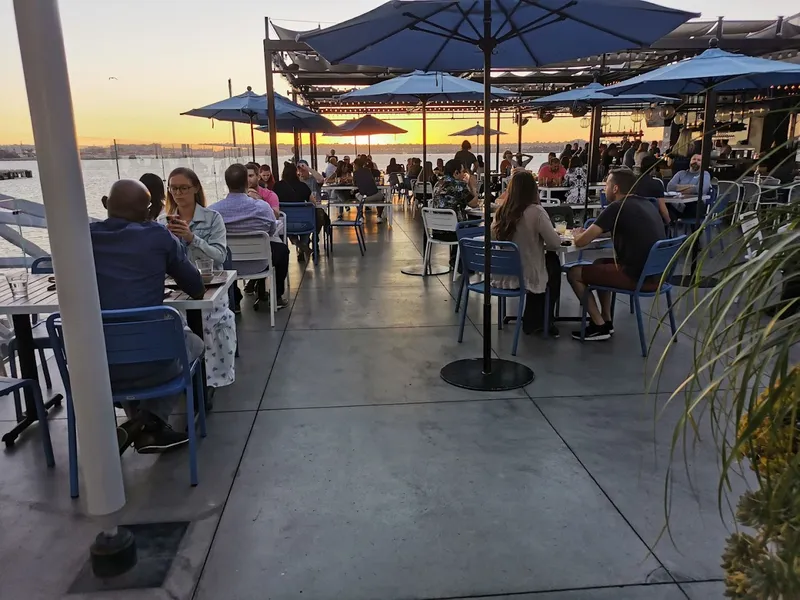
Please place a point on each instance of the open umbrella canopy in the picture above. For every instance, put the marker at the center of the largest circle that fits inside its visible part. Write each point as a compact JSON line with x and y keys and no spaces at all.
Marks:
{"x":366,"y":125}
{"x":475,"y":130}
{"x":250,"y":107}
{"x":724,"y":71}
{"x":594,"y":95}
{"x":429,"y":86}
{"x":442,"y":35}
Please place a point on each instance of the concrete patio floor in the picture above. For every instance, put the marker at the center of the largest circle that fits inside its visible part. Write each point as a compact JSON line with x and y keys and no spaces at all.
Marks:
{"x":340,"y":466}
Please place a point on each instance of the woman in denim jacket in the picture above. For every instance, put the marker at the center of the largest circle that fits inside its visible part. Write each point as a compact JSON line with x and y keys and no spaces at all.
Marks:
{"x":202,"y":232}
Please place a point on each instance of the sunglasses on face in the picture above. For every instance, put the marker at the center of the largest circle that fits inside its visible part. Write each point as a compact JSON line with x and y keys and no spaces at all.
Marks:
{"x":180,"y":189}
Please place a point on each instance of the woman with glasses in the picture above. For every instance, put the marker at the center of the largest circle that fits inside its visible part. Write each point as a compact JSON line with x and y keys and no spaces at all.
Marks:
{"x":202,"y":232}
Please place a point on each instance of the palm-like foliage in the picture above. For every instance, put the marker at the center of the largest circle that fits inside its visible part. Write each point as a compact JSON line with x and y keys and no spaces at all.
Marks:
{"x":746,"y":380}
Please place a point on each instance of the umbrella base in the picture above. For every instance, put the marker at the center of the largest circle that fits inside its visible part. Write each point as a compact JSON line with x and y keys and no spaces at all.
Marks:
{"x":419,"y":271}
{"x":468,"y":374}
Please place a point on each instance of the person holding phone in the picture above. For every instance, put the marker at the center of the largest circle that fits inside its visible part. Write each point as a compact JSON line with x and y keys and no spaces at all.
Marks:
{"x":203,"y":234}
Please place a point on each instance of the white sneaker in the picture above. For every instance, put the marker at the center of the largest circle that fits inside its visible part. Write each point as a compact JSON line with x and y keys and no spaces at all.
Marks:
{"x":379,"y":220}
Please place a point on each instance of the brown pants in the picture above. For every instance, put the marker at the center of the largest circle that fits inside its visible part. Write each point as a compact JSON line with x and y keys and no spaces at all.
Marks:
{"x":607,"y":272}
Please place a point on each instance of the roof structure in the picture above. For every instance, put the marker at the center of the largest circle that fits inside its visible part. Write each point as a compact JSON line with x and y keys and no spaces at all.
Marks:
{"x":319,"y":84}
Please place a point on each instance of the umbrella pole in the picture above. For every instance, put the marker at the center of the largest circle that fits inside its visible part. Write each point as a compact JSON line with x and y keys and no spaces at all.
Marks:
{"x":424,"y":269}
{"x":693,"y":278}
{"x":594,"y":154}
{"x":484,"y":373}
{"x":369,"y":145}
{"x":496,"y":146}
{"x":252,"y":139}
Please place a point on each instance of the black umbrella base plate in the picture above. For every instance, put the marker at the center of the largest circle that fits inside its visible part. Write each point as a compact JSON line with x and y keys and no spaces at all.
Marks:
{"x":689,"y":281}
{"x":468,"y":374}
{"x":419,"y":271}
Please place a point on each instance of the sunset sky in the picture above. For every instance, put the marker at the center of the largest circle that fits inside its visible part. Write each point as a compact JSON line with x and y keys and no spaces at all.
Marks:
{"x":169,"y":56}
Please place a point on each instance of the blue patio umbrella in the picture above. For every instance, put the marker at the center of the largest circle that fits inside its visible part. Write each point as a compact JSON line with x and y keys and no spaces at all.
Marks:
{"x":595,"y":97}
{"x":476,"y":130}
{"x":710,"y":73}
{"x":424,"y":87}
{"x":251,"y":108}
{"x":453,"y":35}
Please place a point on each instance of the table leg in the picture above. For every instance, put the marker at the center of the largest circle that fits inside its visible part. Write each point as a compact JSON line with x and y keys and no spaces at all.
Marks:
{"x":28,"y":370}
{"x":194,"y":318}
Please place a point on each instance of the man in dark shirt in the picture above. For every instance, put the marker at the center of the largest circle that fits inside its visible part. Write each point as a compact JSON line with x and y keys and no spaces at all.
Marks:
{"x":647,"y":186}
{"x":364,"y":180}
{"x":132,"y":256}
{"x":466,"y":157}
{"x":635,"y":225}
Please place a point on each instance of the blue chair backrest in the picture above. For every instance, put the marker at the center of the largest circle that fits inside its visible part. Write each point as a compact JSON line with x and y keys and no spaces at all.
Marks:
{"x":133,"y":336}
{"x":661,"y":254}
{"x":589,"y":222}
{"x":301,"y":217}
{"x":228,"y":266}
{"x":470,"y":232}
{"x":505,"y":257}
{"x":718,"y":203}
{"x":42,"y":266}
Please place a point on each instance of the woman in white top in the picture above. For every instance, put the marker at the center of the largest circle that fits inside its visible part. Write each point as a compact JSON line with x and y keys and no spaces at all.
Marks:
{"x":575,"y":180}
{"x":203,"y":234}
{"x":522,"y":220}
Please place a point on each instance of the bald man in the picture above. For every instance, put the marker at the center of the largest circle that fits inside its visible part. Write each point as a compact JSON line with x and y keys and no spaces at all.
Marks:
{"x":132,"y":256}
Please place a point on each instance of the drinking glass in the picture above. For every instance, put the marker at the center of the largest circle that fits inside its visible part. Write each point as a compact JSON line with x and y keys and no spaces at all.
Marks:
{"x":18,"y":282}
{"x":205,"y":266}
{"x":561,"y":224}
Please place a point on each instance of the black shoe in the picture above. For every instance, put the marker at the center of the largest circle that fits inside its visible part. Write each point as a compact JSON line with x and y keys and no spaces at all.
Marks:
{"x":127,"y":433}
{"x":301,"y":256}
{"x":158,"y":438}
{"x":281,"y":303}
{"x":250,"y":288}
{"x":594,"y":333}
{"x":610,"y":327}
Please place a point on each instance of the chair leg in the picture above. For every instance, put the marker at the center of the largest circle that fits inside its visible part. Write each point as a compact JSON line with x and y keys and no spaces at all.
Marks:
{"x":463,"y":318}
{"x":41,"y":413}
{"x":518,"y":328}
{"x":671,"y":318}
{"x":72,"y":448}
{"x":638,"y":307}
{"x":202,"y":403}
{"x":315,"y":248}
{"x":613,"y":304}
{"x":45,"y":370}
{"x":501,"y":309}
{"x":12,"y":367}
{"x":631,"y":304}
{"x":192,"y":436}
{"x":455,"y":267}
{"x":272,"y":304}
{"x":464,"y":283}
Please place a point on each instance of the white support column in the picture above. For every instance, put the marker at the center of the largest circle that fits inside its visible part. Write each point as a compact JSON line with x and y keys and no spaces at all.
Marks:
{"x":41,"y":45}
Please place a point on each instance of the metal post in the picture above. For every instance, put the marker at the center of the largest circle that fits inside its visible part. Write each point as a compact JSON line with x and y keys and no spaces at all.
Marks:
{"x":496,"y":146}
{"x":273,"y":129}
{"x":41,"y":45}
{"x":519,"y":137}
{"x":595,"y":132}
{"x":297,"y":137}
{"x":116,"y":157}
{"x":233,"y":125}
{"x":488,"y":46}
{"x":252,"y":139}
{"x":424,"y":154}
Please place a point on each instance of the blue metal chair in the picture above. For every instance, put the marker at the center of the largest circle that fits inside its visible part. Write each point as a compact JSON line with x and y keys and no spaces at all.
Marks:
{"x":505,"y":260}
{"x":139,"y":336}
{"x":658,"y":263}
{"x":301,"y":219}
{"x":41,"y":341}
{"x":357,"y":225}
{"x":14,"y":386}
{"x":467,"y":229}
{"x":580,"y":261}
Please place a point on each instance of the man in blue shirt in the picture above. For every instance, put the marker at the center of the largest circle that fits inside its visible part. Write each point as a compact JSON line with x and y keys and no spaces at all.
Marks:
{"x":132,"y":256}
{"x":686,"y":183}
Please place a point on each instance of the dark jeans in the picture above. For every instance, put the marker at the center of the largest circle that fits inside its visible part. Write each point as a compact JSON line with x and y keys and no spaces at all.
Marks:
{"x":533,"y":317}
{"x":448,"y":236}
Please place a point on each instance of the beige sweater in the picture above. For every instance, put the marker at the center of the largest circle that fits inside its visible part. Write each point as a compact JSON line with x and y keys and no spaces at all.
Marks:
{"x":534,"y":234}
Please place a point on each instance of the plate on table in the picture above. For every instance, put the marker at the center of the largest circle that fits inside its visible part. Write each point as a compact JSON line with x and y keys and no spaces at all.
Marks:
{"x":219,"y":278}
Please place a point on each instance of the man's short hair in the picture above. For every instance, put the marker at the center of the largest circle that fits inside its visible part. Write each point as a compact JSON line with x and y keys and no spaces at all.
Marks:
{"x":359,"y":162}
{"x":648,"y":162}
{"x":624,"y":179}
{"x":453,"y":165}
{"x":465,"y":145}
{"x":254,"y":166}
{"x":302,"y":161}
{"x":236,"y":177}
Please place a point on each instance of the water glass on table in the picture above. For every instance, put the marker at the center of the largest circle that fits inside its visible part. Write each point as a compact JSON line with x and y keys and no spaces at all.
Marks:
{"x":206,"y":268}
{"x":18,"y":282}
